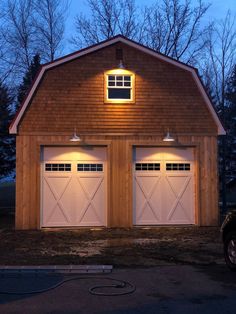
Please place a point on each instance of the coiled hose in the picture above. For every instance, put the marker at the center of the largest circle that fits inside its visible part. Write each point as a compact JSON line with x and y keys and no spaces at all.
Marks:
{"x":94,"y":290}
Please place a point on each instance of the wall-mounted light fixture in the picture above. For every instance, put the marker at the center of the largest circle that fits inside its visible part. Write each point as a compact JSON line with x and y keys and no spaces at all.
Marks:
{"x":168,"y":137}
{"x":121,"y":65}
{"x":75,"y":137}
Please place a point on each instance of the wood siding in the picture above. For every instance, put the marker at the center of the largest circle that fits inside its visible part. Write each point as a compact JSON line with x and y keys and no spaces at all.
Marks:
{"x":120,"y":176}
{"x":72,"y":95}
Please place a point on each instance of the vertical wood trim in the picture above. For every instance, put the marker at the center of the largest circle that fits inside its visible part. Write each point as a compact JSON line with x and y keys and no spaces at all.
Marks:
{"x":108,"y":186}
{"x":32,"y":176}
{"x":38,"y":186}
{"x":129,"y":190}
{"x":197,"y":207}
{"x":35,"y":184}
{"x":120,"y":186}
{"x":215,"y":182}
{"x":26,"y":182}
{"x":207,"y":195}
{"x":209,"y":182}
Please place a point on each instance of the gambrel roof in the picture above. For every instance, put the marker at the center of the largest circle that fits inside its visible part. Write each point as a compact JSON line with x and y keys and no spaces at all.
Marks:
{"x":119,"y":38}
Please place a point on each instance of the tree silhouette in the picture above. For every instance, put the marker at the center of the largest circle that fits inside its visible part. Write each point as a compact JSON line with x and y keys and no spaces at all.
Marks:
{"x":7,"y":150}
{"x":28,"y":79}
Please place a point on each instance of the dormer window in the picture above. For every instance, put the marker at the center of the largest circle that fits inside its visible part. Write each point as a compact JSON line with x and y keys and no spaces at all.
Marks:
{"x":119,"y":86}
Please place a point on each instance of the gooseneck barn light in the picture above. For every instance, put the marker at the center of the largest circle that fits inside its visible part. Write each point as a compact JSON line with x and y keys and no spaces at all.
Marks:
{"x":75,"y":137}
{"x":168,"y":137}
{"x":121,"y":65}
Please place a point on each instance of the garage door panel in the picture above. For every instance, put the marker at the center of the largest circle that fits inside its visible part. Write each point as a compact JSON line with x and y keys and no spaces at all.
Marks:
{"x":91,"y":210}
{"x":178,"y":199}
{"x":56,"y":200}
{"x":178,"y":215}
{"x":147,"y":215}
{"x":165,"y":196}
{"x":147,"y":194}
{"x":56,"y":186}
{"x":90,"y":184}
{"x":176,"y":184}
{"x":186,"y":196}
{"x":88,"y":216}
{"x":57,"y":216}
{"x":74,"y":190}
{"x":99,"y":203}
{"x":86,"y":153}
{"x":140,"y":199}
{"x":56,"y":213}
{"x":147,"y":154}
{"x":148,"y":184}
{"x":178,"y":154}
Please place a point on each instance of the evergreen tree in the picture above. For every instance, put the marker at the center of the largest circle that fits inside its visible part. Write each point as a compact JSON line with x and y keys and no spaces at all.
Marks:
{"x":7,"y":150}
{"x":230,"y":125}
{"x":28,"y":79}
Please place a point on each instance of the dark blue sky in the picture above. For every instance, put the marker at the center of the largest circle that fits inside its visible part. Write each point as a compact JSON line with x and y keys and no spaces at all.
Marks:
{"x":217,"y":10}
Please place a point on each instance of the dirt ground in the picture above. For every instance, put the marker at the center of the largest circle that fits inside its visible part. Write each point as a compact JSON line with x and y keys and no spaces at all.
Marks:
{"x":118,"y":247}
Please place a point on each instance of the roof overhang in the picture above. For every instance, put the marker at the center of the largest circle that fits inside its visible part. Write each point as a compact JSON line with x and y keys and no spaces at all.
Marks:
{"x":14,"y":125}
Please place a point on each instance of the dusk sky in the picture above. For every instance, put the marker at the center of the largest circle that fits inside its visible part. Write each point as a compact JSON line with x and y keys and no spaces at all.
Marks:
{"x":217,"y":11}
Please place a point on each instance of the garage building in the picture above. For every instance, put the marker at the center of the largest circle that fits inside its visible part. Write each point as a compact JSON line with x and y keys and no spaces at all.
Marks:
{"x":116,"y":135}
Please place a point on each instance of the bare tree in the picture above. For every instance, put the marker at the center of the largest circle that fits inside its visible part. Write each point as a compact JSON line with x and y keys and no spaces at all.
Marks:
{"x":3,"y":69}
{"x":50,"y":16}
{"x":19,"y":31}
{"x":108,"y":18}
{"x":221,"y":56}
{"x":220,"y":61}
{"x":174,"y":28}
{"x":27,"y":28}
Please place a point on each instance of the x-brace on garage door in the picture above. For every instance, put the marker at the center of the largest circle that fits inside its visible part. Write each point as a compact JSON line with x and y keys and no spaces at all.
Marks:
{"x":163,"y":186}
{"x":73,"y":187}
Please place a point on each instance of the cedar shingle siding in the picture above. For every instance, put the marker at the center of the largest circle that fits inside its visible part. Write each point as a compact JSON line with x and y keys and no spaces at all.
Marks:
{"x":72,"y":95}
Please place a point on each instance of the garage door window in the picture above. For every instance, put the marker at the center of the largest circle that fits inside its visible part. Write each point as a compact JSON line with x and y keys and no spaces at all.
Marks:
{"x":57,"y":167}
{"x":90,"y":167}
{"x":177,"y":167}
{"x":147,"y":166}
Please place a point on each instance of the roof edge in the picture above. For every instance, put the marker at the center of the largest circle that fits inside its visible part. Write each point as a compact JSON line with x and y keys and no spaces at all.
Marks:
{"x":13,"y":129}
{"x":220,"y":128}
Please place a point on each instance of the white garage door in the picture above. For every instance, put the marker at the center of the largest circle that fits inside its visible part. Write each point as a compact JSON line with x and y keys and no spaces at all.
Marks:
{"x":73,"y":187}
{"x":163,"y":186}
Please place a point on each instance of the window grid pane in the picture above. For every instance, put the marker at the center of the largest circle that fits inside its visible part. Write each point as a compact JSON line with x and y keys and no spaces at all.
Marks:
{"x":119,"y":93}
{"x":90,"y":167}
{"x":57,"y":167}
{"x":127,"y":78}
{"x":127,"y":84}
{"x":178,"y":167}
{"x":147,"y":166}
{"x":119,"y":80}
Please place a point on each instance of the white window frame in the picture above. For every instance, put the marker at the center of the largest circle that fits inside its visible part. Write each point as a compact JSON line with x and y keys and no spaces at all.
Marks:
{"x":119,"y":73}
